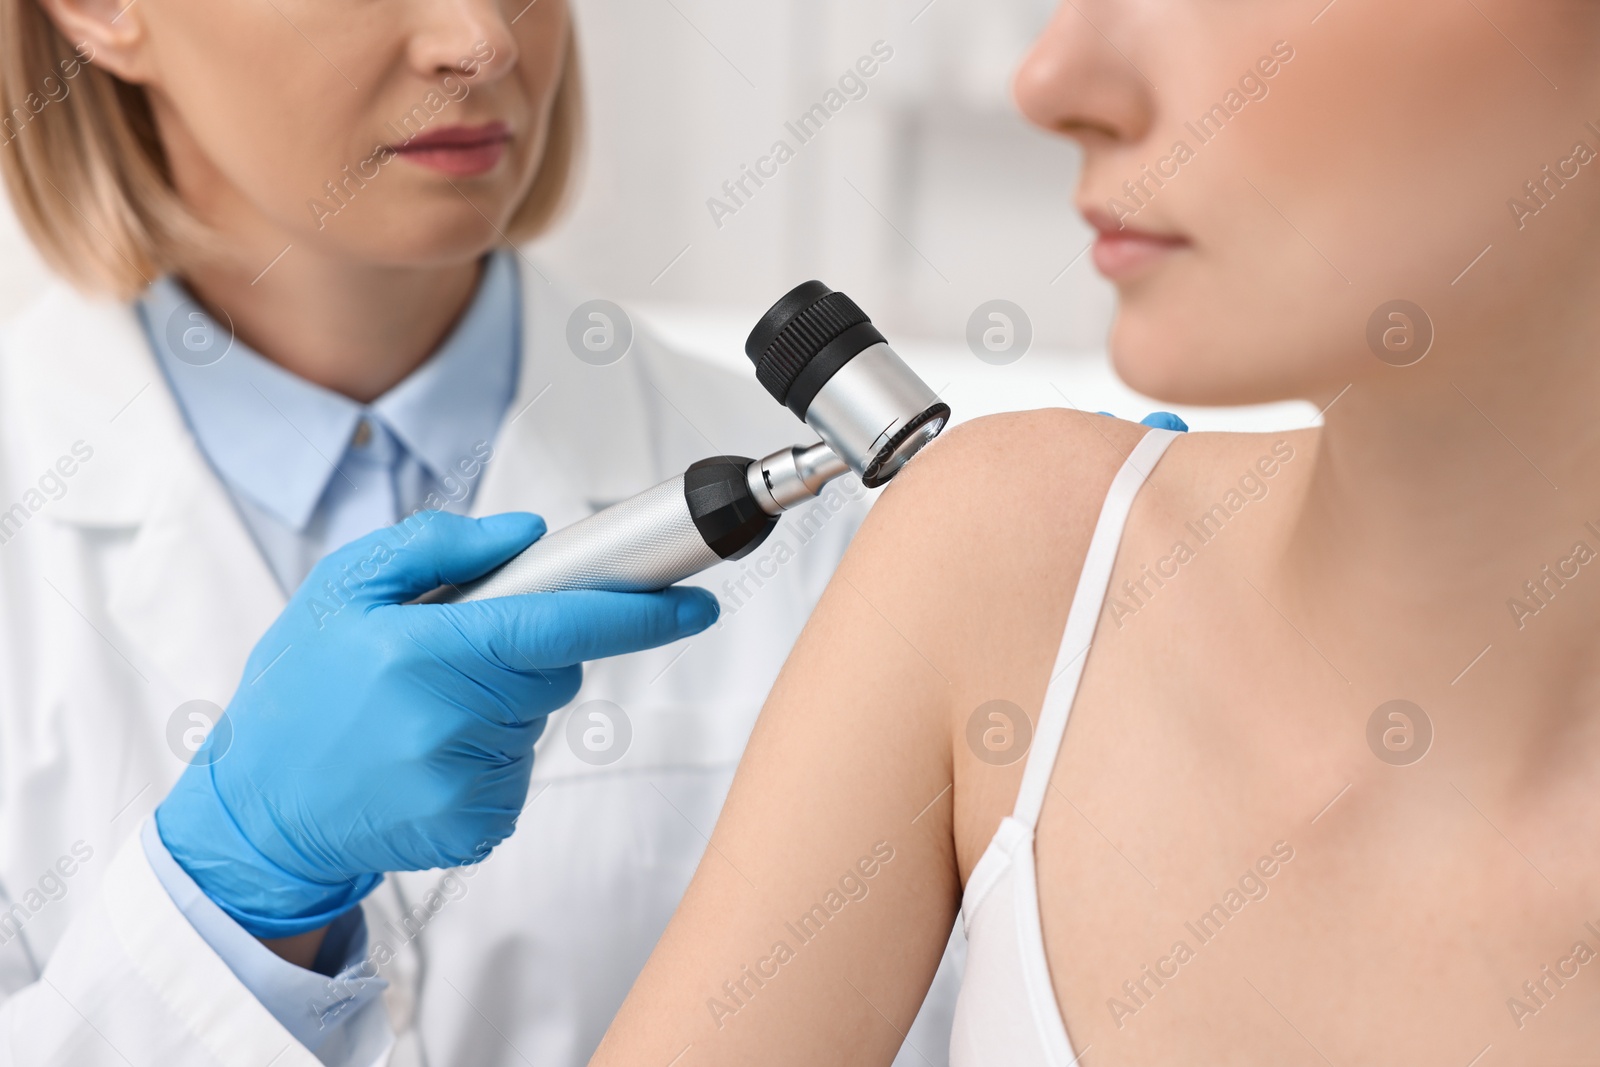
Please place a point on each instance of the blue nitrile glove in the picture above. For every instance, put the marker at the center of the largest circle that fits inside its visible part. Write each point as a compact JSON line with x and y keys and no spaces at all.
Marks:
{"x":372,"y":735}
{"x":1159,"y":420}
{"x":1164,"y":420}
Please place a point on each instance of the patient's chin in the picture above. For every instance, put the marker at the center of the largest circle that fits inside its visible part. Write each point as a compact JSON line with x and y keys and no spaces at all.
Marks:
{"x":1167,"y":359}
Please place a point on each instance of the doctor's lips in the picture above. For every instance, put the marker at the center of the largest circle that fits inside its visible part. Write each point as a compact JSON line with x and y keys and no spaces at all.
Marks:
{"x":1121,"y":251}
{"x":459,"y":151}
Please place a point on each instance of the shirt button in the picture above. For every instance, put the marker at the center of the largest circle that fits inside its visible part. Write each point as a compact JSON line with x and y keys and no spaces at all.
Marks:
{"x":363,"y":435}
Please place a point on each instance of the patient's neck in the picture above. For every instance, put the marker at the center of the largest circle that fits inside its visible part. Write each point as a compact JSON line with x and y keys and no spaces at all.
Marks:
{"x":1452,"y":518}
{"x":355,"y":328}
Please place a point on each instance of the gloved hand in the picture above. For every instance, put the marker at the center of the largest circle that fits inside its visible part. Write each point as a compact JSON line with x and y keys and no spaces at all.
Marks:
{"x":1159,"y":420}
{"x":1164,"y":420}
{"x":372,"y":735}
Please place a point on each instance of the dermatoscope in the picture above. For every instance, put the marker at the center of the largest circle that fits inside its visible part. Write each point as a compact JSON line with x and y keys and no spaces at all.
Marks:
{"x":820,"y":356}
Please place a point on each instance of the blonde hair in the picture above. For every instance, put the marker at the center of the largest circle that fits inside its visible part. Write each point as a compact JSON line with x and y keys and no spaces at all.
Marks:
{"x":89,"y":181}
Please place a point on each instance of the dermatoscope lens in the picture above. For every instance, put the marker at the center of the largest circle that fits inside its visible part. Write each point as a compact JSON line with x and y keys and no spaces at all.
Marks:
{"x":894,"y":458}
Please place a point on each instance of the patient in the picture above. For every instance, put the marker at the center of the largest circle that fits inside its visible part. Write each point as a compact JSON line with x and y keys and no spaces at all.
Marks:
{"x":1243,"y":851}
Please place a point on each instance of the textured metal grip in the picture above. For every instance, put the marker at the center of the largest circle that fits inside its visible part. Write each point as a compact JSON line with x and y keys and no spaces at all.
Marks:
{"x":644,"y":543}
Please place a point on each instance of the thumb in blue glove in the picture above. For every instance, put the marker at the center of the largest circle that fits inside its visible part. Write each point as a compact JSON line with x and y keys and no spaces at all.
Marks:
{"x":373,"y":735}
{"x":1158,"y":420}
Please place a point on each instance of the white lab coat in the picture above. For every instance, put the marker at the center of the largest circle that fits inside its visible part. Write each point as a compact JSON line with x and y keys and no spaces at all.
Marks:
{"x":129,"y":586}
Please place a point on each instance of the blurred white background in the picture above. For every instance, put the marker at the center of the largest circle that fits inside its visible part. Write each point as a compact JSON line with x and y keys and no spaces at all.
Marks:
{"x":923,"y":199}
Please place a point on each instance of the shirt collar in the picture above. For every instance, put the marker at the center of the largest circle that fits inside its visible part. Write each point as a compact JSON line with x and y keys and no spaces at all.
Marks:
{"x":278,"y":439}
{"x":455,"y":400}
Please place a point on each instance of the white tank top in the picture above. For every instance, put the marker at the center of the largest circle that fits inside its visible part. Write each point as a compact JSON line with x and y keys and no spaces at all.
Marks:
{"x":1007,"y":1015}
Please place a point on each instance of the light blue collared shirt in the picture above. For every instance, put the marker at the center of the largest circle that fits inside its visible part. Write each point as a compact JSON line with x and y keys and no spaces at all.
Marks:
{"x":311,"y":470}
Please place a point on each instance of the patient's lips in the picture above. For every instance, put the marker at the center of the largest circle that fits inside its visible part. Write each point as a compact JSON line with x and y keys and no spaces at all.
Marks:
{"x":459,"y":151}
{"x":1123,"y":252}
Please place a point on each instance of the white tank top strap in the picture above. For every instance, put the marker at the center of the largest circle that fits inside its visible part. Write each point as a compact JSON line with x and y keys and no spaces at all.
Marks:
{"x":1082,"y":619}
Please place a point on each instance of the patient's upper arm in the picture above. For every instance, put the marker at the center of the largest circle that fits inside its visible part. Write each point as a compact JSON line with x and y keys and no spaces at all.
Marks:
{"x":815,"y":922}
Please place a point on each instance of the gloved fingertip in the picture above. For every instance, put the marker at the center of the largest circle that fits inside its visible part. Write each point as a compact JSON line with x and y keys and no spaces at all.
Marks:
{"x":697,"y":609}
{"x":1164,"y":420}
{"x":516,"y":525}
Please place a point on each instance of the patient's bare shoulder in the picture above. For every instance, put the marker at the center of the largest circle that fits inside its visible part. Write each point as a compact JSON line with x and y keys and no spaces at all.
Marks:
{"x":990,"y":524}
{"x":1022,"y":458}
{"x":1005,"y":505}
{"x":971,"y":556}
{"x":974,"y":553}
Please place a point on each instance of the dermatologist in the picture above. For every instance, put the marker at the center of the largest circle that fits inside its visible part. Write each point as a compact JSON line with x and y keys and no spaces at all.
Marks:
{"x":295,"y":349}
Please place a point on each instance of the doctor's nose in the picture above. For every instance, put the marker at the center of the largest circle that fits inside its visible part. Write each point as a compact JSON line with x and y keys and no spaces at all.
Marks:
{"x":472,"y":37}
{"x":1074,"y":80}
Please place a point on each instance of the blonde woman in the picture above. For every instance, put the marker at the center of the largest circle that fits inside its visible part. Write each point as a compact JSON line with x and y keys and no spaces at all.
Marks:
{"x":292,"y":315}
{"x":1327,"y":793}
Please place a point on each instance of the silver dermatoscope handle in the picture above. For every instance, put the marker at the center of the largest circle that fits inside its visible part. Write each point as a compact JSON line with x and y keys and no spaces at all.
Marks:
{"x":818,"y":354}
